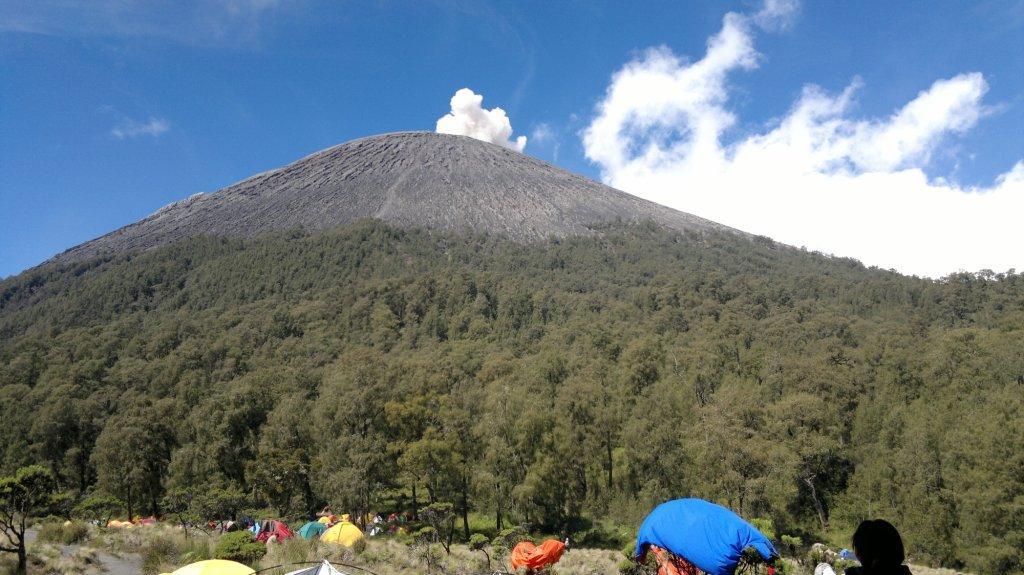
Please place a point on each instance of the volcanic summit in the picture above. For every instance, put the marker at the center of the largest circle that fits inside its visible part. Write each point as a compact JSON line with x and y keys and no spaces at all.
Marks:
{"x":408,"y":179}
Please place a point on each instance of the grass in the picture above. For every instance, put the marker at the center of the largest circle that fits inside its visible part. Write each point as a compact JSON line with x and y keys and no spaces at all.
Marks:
{"x":164,"y":548}
{"x":65,"y":532}
{"x":47,"y":558}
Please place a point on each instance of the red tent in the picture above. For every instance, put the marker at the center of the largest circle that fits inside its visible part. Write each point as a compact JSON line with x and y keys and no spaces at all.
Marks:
{"x":274,"y":528}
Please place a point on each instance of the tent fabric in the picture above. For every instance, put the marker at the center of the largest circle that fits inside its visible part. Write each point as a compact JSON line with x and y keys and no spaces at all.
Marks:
{"x":672,"y":564}
{"x":526,"y":554}
{"x":709,"y":536}
{"x":273,"y":528}
{"x":214,"y":567}
{"x":312,"y":529}
{"x":328,"y":519}
{"x":324,"y":568}
{"x":343,"y":533}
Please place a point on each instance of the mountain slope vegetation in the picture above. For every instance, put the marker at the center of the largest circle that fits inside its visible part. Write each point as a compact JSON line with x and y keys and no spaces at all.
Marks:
{"x":559,"y":383}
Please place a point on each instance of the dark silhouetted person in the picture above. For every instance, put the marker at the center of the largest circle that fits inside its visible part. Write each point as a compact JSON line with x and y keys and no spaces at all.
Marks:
{"x":879,"y":548}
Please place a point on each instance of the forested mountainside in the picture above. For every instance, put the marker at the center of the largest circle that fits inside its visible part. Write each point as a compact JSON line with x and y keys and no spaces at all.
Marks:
{"x":557,"y":383}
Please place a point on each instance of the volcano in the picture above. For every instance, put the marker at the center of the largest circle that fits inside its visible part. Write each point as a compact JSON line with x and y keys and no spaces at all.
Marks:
{"x":407,"y":179}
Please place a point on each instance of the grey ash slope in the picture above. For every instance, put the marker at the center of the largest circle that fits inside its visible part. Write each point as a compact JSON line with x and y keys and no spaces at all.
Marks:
{"x":407,"y":179}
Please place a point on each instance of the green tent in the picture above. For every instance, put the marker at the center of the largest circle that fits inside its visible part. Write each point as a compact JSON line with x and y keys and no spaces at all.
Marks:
{"x":311,"y":530}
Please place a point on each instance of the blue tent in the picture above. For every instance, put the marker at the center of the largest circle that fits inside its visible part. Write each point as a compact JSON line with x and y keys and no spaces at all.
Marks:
{"x":709,"y":536}
{"x":312,"y":529}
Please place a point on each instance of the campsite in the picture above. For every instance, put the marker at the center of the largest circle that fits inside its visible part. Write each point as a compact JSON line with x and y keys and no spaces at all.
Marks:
{"x":511,"y":287}
{"x":676,"y":538}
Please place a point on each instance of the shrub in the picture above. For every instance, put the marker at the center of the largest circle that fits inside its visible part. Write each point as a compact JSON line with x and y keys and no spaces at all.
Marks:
{"x":68,"y":533}
{"x":507,"y":539}
{"x":239,"y":546}
{"x":602,"y":536}
{"x":291,"y":551}
{"x":195,"y":549}
{"x":792,"y":543}
{"x":159,"y":551}
{"x":479,"y":542}
{"x":766,"y":526}
{"x":630,"y":567}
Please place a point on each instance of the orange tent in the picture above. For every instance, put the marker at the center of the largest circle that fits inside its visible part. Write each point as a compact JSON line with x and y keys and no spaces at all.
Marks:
{"x":670,"y":564}
{"x":526,"y":554}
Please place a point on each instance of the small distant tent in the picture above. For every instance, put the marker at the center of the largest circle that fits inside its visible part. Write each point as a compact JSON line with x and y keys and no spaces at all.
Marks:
{"x":117,"y":524}
{"x":214,"y":567}
{"x":536,"y":557}
{"x":324,"y":568}
{"x":824,"y":569}
{"x":709,"y":536}
{"x":273,"y":528}
{"x":328,"y":519}
{"x":343,"y":533}
{"x":312,"y":529}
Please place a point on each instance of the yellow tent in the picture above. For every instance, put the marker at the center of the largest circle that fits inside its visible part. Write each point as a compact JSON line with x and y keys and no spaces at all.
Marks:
{"x":343,"y":533}
{"x":214,"y":567}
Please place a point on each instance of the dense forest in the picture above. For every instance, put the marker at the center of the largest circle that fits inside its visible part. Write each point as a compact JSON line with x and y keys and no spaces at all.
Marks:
{"x":560,"y":385}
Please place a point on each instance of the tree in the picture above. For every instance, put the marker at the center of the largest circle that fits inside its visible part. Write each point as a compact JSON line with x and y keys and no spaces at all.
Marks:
{"x":440,"y":520}
{"x":354,"y":461}
{"x":280,"y":471}
{"x":809,"y":426}
{"x":277,"y":476}
{"x":25,"y":494}
{"x":182,"y":506}
{"x":131,"y":458}
{"x":99,"y":508}
{"x":221,"y":503}
{"x":64,"y":432}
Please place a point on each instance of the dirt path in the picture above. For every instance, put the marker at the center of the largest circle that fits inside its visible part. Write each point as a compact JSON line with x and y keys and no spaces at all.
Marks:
{"x":130,"y":564}
{"x":127,"y":564}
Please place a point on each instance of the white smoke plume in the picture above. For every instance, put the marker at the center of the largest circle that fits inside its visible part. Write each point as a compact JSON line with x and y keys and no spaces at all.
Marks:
{"x":469,"y":118}
{"x":817,"y":176}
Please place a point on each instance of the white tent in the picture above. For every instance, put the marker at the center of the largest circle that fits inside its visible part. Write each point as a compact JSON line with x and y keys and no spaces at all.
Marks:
{"x":324,"y":568}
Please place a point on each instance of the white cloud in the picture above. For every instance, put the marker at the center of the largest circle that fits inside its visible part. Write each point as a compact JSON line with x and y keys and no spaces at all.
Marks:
{"x":777,"y":14}
{"x":546,"y":136}
{"x":129,"y":128}
{"x":190,"y":22}
{"x":469,"y":118}
{"x":542,"y":132}
{"x":817,"y":176}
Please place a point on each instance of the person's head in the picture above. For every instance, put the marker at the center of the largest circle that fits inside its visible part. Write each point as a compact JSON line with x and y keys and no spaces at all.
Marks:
{"x":877,"y":544}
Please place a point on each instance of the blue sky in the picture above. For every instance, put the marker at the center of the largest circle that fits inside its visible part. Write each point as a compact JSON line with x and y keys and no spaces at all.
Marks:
{"x":111,"y":109}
